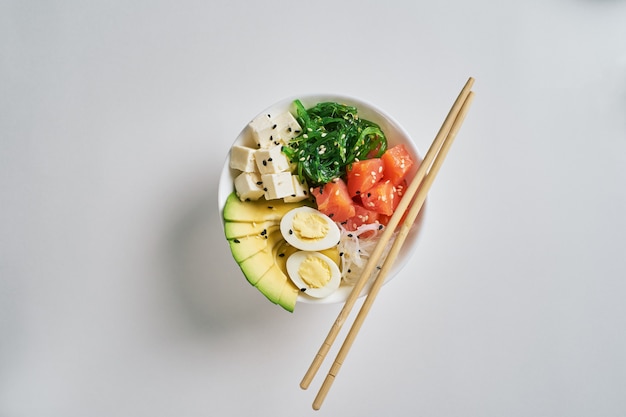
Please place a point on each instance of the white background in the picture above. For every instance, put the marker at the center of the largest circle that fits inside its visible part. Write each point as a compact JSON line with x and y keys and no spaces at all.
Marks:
{"x":118,"y":295}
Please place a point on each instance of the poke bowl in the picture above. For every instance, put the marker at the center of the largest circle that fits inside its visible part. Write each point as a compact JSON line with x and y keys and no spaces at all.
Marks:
{"x":305,"y":190}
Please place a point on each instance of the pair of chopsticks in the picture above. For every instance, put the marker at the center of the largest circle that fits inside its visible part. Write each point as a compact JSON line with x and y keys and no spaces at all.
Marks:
{"x":413,"y":200}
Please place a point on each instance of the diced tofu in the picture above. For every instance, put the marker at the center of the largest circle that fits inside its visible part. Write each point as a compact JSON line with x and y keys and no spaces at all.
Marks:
{"x":271,"y":160}
{"x":268,"y":130}
{"x":287,"y":126}
{"x":277,"y":185}
{"x":242,"y":158}
{"x":299,"y":190}
{"x":248,"y":186}
{"x":264,"y":131}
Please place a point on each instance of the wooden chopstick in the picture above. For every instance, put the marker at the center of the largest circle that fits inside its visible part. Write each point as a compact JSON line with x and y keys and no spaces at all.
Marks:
{"x":423,"y":180}
{"x":397,"y":245}
{"x":386,"y":235}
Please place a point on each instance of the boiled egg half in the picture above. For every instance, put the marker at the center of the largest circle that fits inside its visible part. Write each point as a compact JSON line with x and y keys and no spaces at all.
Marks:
{"x":309,"y":229}
{"x":314,"y":273}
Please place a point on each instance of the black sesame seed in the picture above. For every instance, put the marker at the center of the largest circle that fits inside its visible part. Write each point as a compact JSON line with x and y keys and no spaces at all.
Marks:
{"x":236,"y":241}
{"x":331,"y":215}
{"x":290,"y":232}
{"x":282,"y":255}
{"x":380,"y":227}
{"x":340,"y":253}
{"x":349,"y":270}
{"x":369,"y":194}
{"x":264,"y":163}
{"x":289,"y":129}
{"x":293,"y":195}
{"x":350,"y":235}
{"x":269,"y":160}
{"x":270,"y":207}
{"x":264,"y":188}
{"x":259,"y":183}
{"x":274,"y":127}
{"x":303,"y":289}
{"x":358,"y":192}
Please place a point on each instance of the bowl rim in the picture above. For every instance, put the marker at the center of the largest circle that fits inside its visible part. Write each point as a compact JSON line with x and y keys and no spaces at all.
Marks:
{"x":395,"y":133}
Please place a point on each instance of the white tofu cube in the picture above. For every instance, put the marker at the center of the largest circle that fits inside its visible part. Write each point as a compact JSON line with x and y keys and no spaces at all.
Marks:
{"x":264,"y":131}
{"x":277,"y":185}
{"x":300,"y":190}
{"x":271,"y":160}
{"x":242,"y":158}
{"x":249,"y":186}
{"x":287,"y":126}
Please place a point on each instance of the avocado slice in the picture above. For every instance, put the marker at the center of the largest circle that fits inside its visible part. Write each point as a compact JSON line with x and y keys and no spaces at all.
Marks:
{"x":240,"y":229}
{"x":333,"y":253}
{"x":278,"y":274}
{"x":256,"y":265}
{"x":257,"y":211}
{"x":288,"y":296}
{"x":272,"y":283}
{"x":282,"y":254}
{"x":244,"y":247}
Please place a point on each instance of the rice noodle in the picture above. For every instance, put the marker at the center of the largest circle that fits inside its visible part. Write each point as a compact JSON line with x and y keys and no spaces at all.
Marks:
{"x":355,"y":248}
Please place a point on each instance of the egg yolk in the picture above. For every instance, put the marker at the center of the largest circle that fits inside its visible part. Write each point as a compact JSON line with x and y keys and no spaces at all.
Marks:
{"x":314,"y":271}
{"x":309,"y":226}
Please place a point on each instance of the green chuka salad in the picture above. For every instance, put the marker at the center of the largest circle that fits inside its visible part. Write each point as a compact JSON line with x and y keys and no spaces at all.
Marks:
{"x":333,"y":137}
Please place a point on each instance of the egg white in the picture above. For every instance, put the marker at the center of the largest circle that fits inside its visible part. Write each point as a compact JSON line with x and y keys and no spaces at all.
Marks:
{"x":293,"y":264}
{"x":331,"y":239}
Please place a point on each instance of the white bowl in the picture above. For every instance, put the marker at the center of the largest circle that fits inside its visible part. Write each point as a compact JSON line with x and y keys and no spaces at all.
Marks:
{"x":395,"y":134}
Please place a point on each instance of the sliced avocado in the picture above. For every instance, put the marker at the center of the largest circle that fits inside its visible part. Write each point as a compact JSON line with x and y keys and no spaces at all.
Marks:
{"x":252,"y":230}
{"x":258,"y":210}
{"x":288,"y":296}
{"x":256,"y":265}
{"x":333,"y":253}
{"x":245,"y":247}
{"x":240,"y":229}
{"x":272,"y":282}
{"x":275,"y":284}
{"x":282,"y":254}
